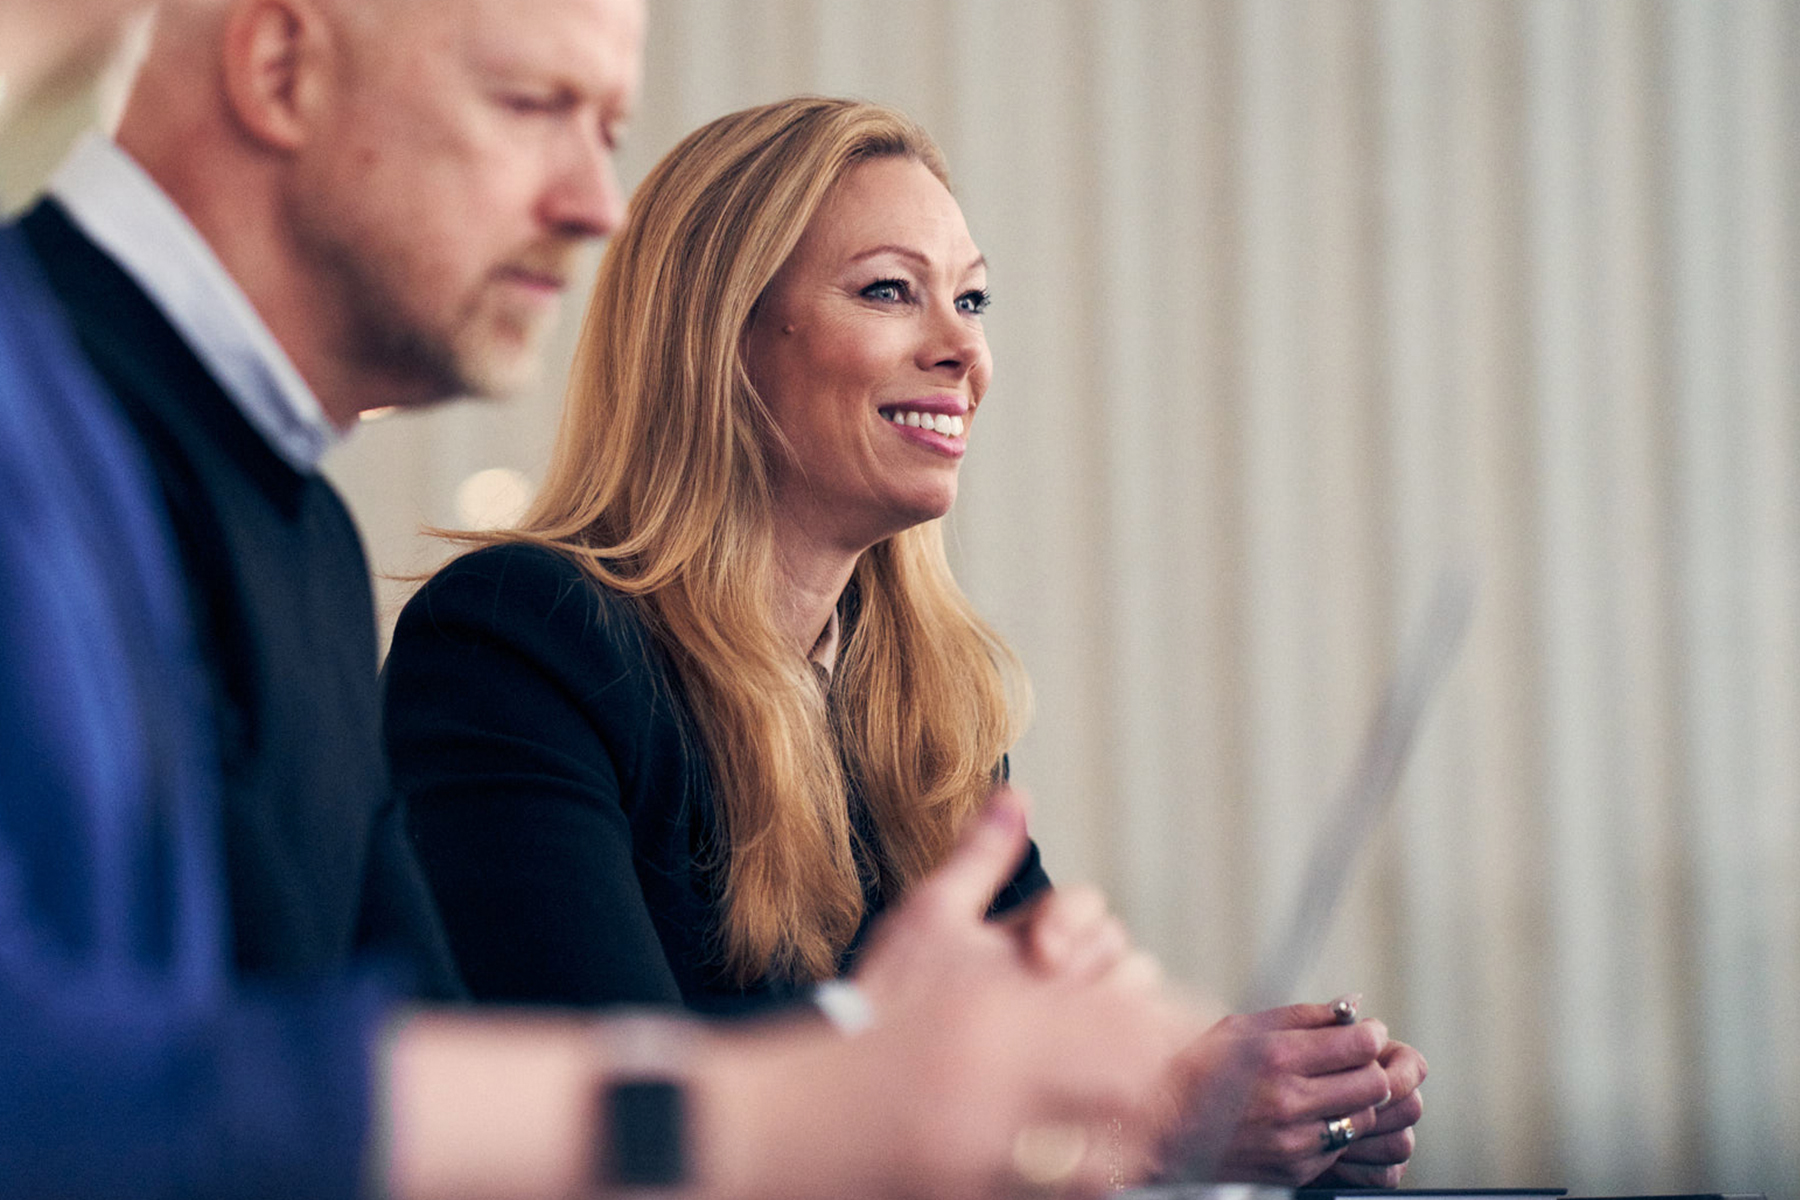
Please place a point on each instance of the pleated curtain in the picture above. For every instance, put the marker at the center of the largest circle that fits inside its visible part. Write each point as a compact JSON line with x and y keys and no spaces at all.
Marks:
{"x":1296,"y":305}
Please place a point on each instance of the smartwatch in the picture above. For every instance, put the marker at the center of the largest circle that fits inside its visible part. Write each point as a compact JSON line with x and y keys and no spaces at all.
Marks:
{"x":642,"y":1130}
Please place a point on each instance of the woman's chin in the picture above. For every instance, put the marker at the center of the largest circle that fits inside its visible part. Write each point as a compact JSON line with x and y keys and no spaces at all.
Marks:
{"x":858,"y":523}
{"x":924,"y":507}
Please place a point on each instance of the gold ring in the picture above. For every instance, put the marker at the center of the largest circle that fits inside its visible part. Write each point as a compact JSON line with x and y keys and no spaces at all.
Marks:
{"x":1336,"y":1135}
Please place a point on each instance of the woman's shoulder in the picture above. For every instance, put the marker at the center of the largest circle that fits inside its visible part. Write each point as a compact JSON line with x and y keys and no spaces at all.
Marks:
{"x":508,"y":564}
{"x":521,"y":585}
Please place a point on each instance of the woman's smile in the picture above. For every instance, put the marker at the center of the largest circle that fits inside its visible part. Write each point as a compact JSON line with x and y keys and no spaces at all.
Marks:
{"x":938,"y":426}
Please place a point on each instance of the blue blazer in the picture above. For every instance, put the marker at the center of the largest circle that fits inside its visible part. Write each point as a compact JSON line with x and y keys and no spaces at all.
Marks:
{"x":133,"y":1063}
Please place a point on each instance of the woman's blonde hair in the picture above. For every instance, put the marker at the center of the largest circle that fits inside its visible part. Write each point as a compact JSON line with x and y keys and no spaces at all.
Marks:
{"x":660,"y":487}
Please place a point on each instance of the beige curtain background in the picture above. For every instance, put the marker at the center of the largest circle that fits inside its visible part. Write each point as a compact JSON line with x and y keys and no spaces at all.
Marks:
{"x":1295,"y":304}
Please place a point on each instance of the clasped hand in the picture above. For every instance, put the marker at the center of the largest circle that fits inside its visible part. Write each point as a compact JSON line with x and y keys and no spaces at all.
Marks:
{"x":1251,"y":1099}
{"x":1052,"y":1023}
{"x":1257,"y":1093}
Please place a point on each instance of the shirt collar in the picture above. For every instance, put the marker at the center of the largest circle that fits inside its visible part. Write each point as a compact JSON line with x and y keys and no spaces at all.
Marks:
{"x":124,"y":212}
{"x":824,"y":651}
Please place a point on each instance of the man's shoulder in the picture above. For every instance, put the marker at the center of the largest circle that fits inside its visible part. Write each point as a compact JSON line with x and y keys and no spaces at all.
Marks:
{"x":85,"y":278}
{"x":155,"y":374}
{"x":35,"y":327}
{"x":59,"y":421}
{"x":19,"y":274}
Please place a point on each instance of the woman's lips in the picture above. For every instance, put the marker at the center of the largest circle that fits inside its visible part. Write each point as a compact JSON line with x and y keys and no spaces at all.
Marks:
{"x":948,"y":424}
{"x":942,"y":432}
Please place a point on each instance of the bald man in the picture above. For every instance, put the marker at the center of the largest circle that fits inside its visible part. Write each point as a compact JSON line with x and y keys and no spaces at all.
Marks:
{"x":316,"y":208}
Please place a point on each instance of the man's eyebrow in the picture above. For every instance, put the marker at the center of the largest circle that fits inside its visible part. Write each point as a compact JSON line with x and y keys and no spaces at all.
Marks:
{"x":908,"y":252}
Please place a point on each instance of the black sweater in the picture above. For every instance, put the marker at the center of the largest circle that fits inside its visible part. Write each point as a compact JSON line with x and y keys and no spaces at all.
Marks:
{"x":558,"y":793}
{"x":316,"y":860}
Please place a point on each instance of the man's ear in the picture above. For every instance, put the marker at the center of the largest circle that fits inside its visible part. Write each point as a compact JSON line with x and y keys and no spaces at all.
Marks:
{"x":274,"y":64}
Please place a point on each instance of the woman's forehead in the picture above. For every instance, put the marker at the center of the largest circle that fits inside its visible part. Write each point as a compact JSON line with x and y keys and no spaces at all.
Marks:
{"x":888,"y":205}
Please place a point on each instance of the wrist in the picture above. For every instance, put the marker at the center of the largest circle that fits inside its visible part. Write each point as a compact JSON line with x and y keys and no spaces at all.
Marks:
{"x":643,"y":1141}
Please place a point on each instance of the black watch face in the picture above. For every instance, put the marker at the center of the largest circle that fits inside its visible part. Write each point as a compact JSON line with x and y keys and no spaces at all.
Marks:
{"x":645,"y":1131}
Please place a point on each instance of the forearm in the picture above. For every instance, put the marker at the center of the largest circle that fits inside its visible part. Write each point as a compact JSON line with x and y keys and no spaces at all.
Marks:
{"x":970,"y":1050}
{"x":505,"y":1107}
{"x":492,"y":1107}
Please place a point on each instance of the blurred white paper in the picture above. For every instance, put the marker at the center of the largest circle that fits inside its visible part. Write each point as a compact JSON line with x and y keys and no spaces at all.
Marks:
{"x":1346,"y":821}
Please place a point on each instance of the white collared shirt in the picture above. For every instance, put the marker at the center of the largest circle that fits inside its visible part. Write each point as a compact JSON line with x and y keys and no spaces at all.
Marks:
{"x":124,"y":212}
{"x":825,"y":651}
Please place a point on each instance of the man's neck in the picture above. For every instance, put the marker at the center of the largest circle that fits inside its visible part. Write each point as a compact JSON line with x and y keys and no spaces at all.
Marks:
{"x":194,"y":271}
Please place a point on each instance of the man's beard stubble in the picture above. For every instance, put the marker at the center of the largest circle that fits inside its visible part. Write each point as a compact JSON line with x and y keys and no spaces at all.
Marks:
{"x":487,"y":346}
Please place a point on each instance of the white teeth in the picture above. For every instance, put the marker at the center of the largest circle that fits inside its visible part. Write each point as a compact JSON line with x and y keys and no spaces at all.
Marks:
{"x":943,"y":423}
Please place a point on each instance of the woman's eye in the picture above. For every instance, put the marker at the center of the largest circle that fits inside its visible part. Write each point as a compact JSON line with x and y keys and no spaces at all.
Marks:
{"x":974,"y":303}
{"x":890,"y":291}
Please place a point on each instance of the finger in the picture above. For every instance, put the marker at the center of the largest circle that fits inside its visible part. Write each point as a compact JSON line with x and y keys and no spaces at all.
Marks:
{"x":1298,"y":1152}
{"x":1382,"y":1150}
{"x":1401,"y":1114}
{"x":1308,"y":1139}
{"x":1101,"y":949}
{"x":984,"y":859}
{"x":1304,"y":1147}
{"x":1294,"y":1152}
{"x":1056,"y":930}
{"x":1405,"y":1066}
{"x":1307,"y":1101}
{"x":1290,"y":1016}
{"x":1327,"y":1049}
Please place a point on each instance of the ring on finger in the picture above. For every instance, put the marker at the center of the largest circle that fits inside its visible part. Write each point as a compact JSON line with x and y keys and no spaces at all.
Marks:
{"x":1336,"y":1135}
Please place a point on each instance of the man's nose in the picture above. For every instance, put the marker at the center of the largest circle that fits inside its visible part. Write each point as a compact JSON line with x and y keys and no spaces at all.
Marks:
{"x":586,"y":200}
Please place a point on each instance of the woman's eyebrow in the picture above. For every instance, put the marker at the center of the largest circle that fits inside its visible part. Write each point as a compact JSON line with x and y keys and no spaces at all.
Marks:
{"x":907,"y":252}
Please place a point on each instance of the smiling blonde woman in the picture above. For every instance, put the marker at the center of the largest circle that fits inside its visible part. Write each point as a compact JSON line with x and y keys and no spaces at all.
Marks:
{"x":718,"y":699}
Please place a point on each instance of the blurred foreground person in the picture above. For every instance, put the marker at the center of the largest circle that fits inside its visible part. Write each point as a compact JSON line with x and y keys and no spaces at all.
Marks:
{"x":110,"y":925}
{"x":684,"y":733}
{"x":318,"y":208}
